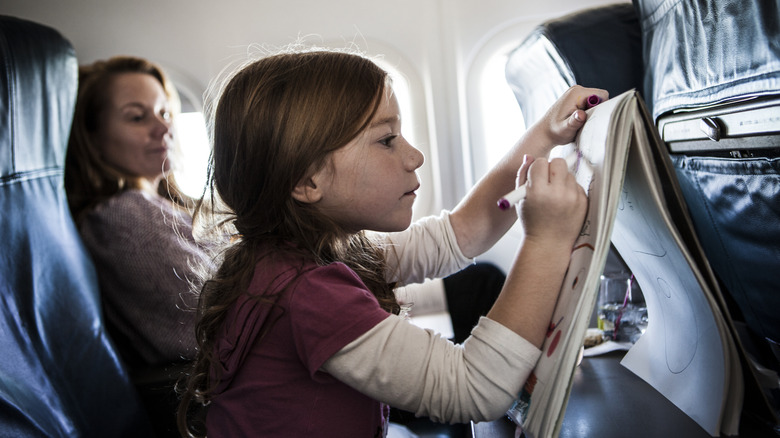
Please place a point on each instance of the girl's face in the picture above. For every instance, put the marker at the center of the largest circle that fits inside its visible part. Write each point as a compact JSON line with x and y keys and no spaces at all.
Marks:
{"x":370,"y":183}
{"x":134,"y":133}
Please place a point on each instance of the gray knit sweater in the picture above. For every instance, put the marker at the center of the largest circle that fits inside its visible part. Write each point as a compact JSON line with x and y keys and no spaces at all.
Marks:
{"x":143,"y":250}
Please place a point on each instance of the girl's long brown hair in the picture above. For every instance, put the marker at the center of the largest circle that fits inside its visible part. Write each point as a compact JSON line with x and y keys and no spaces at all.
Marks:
{"x":276,"y":122}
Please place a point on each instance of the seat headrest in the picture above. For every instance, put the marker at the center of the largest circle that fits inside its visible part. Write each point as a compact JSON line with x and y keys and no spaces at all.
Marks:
{"x":598,"y":47}
{"x":37,"y":96}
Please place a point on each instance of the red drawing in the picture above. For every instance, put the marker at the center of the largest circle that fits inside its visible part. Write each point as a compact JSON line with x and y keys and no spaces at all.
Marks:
{"x":552,"y":326}
{"x":554,"y":344}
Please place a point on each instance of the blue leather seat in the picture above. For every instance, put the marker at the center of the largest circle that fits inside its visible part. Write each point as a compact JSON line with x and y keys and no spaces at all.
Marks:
{"x":59,"y":373}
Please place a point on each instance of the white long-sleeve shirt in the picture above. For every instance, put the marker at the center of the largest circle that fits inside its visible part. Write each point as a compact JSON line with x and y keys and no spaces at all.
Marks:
{"x":417,"y":370}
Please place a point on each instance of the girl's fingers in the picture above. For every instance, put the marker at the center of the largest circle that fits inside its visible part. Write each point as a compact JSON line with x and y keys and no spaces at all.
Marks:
{"x":558,"y":169}
{"x":522,"y":172}
{"x":577,"y":119}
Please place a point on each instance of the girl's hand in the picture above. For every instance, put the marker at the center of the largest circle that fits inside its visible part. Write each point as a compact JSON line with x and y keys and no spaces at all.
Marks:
{"x":555,"y":205}
{"x":567,"y":115}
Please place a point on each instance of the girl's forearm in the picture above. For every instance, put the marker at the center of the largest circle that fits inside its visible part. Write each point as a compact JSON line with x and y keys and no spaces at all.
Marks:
{"x":526,"y":303}
{"x":477,"y":221}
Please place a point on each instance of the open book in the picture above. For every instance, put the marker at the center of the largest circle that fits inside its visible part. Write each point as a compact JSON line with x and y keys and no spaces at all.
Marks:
{"x":690,"y":352}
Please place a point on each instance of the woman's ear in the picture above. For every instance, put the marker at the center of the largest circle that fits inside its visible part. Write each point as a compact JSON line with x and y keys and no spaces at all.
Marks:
{"x":307,"y":191}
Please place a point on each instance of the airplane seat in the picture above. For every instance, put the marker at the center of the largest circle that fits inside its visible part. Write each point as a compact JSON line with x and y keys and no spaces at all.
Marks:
{"x":60,"y":375}
{"x":709,"y":72}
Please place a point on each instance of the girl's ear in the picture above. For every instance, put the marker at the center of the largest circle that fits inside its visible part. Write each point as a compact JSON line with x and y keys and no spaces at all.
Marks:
{"x":307,"y":191}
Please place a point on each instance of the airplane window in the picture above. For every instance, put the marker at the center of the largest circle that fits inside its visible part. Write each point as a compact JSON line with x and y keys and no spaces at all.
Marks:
{"x":190,"y":173}
{"x":495,"y":119}
{"x":497,"y":122}
{"x":192,"y":149}
{"x":401,"y":90}
{"x":502,"y":119}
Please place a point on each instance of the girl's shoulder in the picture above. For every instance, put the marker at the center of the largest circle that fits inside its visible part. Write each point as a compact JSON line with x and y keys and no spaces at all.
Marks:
{"x":306,"y":289}
{"x":280,"y":269}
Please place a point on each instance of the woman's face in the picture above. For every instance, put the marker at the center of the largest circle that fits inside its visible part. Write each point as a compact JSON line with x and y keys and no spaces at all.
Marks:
{"x":134,"y":133}
{"x":370,"y":183}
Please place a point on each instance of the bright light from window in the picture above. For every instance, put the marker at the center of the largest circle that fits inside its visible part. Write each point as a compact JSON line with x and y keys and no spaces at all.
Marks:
{"x":401,"y":91}
{"x":502,"y":120}
{"x":191,"y":171}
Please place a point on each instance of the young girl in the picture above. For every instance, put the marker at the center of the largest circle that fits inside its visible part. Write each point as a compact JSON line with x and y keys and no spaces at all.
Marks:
{"x":298,"y":331}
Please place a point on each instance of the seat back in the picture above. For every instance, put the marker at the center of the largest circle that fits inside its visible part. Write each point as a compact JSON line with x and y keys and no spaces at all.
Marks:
{"x":731,"y":182}
{"x":59,"y":373}
{"x":600,"y":47}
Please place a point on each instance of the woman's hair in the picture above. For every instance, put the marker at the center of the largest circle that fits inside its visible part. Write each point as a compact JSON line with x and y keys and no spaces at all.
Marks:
{"x":89,"y":179}
{"x":276,"y":122}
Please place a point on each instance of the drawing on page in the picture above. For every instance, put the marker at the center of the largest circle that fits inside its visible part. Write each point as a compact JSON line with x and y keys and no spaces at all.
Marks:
{"x":627,"y":206}
{"x":659,"y":271}
{"x":678,"y":350}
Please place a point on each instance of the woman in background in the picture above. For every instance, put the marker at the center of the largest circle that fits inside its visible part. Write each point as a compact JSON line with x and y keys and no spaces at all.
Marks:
{"x":135,"y":222}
